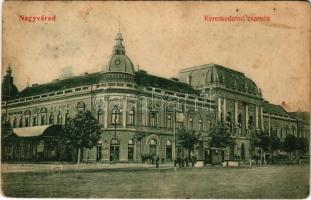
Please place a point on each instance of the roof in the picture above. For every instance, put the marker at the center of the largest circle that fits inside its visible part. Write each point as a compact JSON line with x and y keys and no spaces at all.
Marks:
{"x":76,"y":81}
{"x":141,"y":78}
{"x":203,"y":75}
{"x":147,"y":80}
{"x":304,"y":116}
{"x":274,"y":109}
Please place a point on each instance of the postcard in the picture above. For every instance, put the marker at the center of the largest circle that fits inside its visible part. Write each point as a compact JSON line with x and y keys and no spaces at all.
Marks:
{"x":155,"y":99}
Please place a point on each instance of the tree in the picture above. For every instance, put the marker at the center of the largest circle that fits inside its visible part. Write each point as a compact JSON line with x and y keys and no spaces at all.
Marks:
{"x":82,"y":131}
{"x":263,"y":141}
{"x":6,"y":134}
{"x":188,"y":139}
{"x":220,"y":138}
{"x":302,"y":145}
{"x":289,"y":144}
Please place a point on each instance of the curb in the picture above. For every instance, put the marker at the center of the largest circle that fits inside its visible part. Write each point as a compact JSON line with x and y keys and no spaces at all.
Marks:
{"x":92,"y":170}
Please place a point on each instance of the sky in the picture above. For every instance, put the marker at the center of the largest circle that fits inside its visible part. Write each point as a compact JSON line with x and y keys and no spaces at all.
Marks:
{"x":163,"y":38}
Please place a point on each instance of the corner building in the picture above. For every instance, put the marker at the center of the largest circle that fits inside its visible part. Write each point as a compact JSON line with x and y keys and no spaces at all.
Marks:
{"x":139,"y":113}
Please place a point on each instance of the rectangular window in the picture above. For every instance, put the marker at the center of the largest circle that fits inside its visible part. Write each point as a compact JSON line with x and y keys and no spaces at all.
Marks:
{"x":68,"y":91}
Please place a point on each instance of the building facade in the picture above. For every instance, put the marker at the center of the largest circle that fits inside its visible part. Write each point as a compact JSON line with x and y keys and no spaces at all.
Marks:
{"x":139,"y":113}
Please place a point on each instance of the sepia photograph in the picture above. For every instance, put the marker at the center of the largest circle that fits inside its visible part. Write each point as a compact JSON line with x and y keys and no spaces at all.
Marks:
{"x":155,"y":99}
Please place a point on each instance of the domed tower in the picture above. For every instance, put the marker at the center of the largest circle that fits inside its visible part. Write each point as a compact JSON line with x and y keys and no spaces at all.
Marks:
{"x":119,"y":68}
{"x":9,"y":90}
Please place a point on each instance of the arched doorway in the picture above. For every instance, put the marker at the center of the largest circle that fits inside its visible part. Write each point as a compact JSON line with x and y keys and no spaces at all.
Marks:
{"x":130,"y":150}
{"x":153,"y":147}
{"x":242,"y":151}
{"x":168,"y":150}
{"x":114,"y":150}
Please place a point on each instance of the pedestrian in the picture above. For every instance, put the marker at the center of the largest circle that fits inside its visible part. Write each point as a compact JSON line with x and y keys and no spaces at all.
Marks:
{"x":187,"y":162}
{"x":157,"y":162}
{"x":192,"y":161}
{"x":179,"y":162}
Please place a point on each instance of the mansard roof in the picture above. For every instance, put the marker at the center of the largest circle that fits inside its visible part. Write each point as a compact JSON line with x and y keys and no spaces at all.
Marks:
{"x":147,"y":80}
{"x":142,"y":79}
{"x":274,"y":109}
{"x":56,"y":85}
{"x":214,"y":73}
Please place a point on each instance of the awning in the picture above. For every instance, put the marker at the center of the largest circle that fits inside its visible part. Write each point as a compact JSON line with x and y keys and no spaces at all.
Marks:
{"x":30,"y":131}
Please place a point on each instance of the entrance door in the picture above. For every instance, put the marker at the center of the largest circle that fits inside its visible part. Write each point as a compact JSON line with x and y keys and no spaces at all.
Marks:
{"x":99,"y":153}
{"x":152,"y":149}
{"x":114,"y":152}
{"x":242,"y":152}
{"x":231,"y":152}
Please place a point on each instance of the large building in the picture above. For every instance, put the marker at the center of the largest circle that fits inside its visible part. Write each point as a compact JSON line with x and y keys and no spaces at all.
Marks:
{"x":139,"y":113}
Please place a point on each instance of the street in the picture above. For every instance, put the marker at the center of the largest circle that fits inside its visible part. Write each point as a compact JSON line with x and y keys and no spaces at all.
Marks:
{"x":286,"y":181}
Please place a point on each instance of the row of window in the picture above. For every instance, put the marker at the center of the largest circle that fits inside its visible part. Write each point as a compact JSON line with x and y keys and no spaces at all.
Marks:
{"x":36,"y":120}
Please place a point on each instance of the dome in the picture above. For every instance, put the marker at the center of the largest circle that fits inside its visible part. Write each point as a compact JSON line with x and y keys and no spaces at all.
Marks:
{"x":119,"y":62}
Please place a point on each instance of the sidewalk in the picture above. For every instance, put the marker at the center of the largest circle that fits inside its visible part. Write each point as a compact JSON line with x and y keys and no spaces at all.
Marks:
{"x":71,"y":167}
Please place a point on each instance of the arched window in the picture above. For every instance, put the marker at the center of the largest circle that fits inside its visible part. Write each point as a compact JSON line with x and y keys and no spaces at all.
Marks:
{"x":132,"y":117}
{"x":43,"y":121}
{"x":168,"y":150}
{"x":250,"y":122}
{"x":67,"y":118}
{"x":14,"y":123}
{"x":115,"y":116}
{"x":100,"y":116}
{"x":21,"y":122}
{"x":114,"y":150}
{"x":190,"y":123}
{"x":34,"y":121}
{"x":228,"y":121}
{"x":59,"y":119}
{"x":169,"y":121}
{"x":200,"y":125}
{"x":209,"y":123}
{"x":51,"y":119}
{"x":81,"y":106}
{"x":240,"y":118}
{"x":130,"y":150}
{"x":152,"y":119}
{"x":26,"y":121}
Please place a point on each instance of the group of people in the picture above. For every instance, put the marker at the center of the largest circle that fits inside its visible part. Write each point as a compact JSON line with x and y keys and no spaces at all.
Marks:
{"x":185,"y":162}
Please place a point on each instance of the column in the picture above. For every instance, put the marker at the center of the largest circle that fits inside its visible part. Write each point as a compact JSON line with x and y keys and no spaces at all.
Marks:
{"x":219,"y":109}
{"x":246,"y":116}
{"x":224,"y":110}
{"x":235,"y":113}
{"x":256,"y":117}
{"x":124,"y":111}
{"x":106,"y":112}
